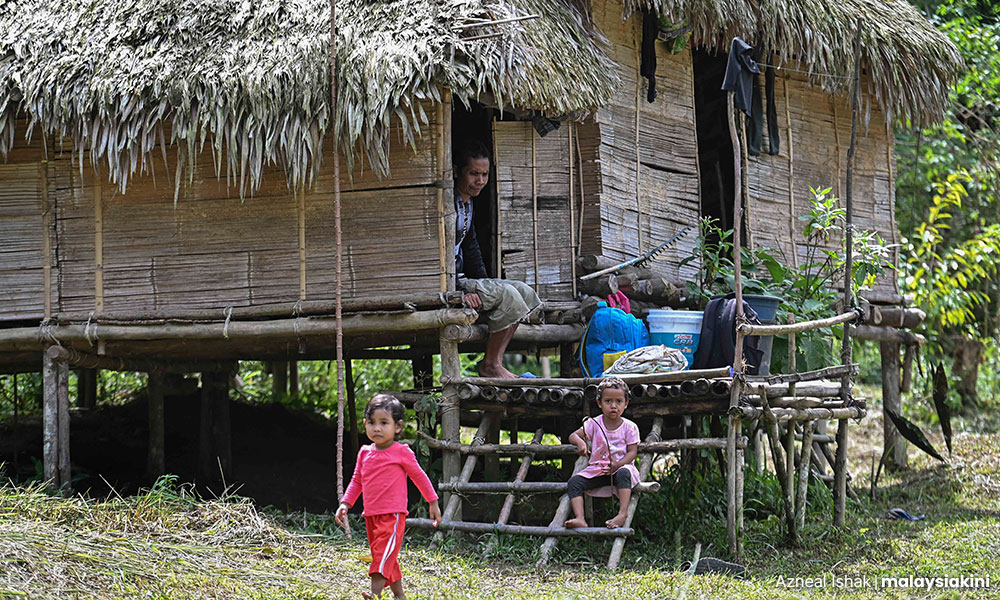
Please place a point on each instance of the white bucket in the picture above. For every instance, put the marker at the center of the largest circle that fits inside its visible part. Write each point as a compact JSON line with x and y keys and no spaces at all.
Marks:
{"x":679,"y":329}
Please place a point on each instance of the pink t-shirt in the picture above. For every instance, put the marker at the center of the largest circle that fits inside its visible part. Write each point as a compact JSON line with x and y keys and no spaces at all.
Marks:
{"x":381,"y":476}
{"x":619,"y":439}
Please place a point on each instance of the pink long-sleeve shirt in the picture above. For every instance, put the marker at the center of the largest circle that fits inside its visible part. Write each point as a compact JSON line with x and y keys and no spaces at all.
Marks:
{"x":381,"y":476}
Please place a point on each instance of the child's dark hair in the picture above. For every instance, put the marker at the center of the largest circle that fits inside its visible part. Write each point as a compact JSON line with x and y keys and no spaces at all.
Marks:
{"x":612,"y":383}
{"x":389,"y":404}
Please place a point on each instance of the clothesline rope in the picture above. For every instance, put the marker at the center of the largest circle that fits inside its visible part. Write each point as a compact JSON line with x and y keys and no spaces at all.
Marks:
{"x":779,"y":68}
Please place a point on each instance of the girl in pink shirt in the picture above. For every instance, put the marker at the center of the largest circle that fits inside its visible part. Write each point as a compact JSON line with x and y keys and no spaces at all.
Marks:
{"x":380,"y":474}
{"x":614,"y":443}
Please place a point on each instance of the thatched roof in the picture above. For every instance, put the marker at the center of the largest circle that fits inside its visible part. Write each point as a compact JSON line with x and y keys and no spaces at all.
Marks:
{"x":250,"y":79}
{"x":910,"y":64}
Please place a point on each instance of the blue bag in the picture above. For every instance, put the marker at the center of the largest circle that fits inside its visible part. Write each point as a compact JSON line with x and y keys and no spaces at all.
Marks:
{"x":610,"y":333}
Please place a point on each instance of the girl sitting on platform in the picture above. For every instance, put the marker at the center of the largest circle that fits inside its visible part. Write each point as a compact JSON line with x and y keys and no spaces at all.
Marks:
{"x":614,"y":444}
{"x":380,"y":475}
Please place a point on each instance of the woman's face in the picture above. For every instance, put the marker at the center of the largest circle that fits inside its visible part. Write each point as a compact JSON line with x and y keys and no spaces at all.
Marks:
{"x":473,"y":177}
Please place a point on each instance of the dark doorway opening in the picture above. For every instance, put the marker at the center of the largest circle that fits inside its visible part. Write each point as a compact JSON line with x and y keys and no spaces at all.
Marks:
{"x":476,"y":122}
{"x":715,"y":147}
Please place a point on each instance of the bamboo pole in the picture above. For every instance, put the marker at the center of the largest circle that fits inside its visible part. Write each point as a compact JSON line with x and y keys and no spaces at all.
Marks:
{"x":398,"y":302}
{"x":558,"y":519}
{"x":352,"y":325}
{"x":644,"y":469}
{"x":580,"y":382}
{"x":534,"y":208}
{"x":499,"y":213}
{"x":749,"y":413}
{"x":522,"y":472}
{"x":783,"y":466}
{"x":155,"y":457}
{"x":569,"y":449}
{"x":301,"y":197}
{"x":526,"y":487}
{"x":791,"y":178}
{"x":823,"y":373}
{"x":747,"y":329}
{"x":92,"y":361}
{"x":887,"y":334}
{"x":738,"y":361}
{"x":47,"y":230}
{"x":453,"y":506}
{"x":840,"y":465}
{"x":804,"y":461}
{"x":638,"y":163}
{"x":439,"y":193}
{"x":789,"y":486}
{"x":335,"y":107}
{"x":572,"y":213}
{"x":583,"y":204}
{"x":549,"y":532}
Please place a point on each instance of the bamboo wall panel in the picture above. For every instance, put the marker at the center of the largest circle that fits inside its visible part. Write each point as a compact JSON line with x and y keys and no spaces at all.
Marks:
{"x":22,"y":284}
{"x":820,"y":162}
{"x":666,"y":172}
{"x":213,"y":249}
{"x":390,"y":242}
{"x":514,"y":185}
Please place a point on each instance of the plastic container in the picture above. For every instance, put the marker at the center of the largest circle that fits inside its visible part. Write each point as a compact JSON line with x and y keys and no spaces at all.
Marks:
{"x":679,"y":329}
{"x":766,"y":307}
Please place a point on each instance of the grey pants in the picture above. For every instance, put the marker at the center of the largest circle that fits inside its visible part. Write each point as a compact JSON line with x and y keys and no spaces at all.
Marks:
{"x":505,"y":302}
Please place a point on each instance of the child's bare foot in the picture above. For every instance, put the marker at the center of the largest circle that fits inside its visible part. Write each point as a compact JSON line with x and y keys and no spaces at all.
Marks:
{"x":367,"y":595}
{"x":616,"y":522}
{"x":574,"y":523}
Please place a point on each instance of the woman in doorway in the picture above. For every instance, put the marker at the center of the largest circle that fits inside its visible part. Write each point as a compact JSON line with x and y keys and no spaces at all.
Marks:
{"x":505,"y":302}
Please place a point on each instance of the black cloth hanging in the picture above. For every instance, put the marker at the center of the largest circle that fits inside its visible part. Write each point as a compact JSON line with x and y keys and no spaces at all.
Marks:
{"x":755,"y":120}
{"x":647,"y":66}
{"x":740,"y":71}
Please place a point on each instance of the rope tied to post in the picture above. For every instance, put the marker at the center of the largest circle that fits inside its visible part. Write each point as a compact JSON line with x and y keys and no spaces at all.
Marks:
{"x":86,"y":329}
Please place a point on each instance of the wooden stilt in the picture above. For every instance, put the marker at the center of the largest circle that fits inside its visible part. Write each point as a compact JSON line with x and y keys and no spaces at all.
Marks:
{"x":55,"y":422}
{"x":279,"y":379}
{"x":804,"y":462}
{"x":206,"y":466}
{"x":453,"y":507}
{"x":352,"y":411}
{"x":156,"y":455}
{"x":86,"y":388}
{"x":451,"y":366}
{"x":293,"y":378}
{"x":891,"y":401}
{"x":789,"y":487}
{"x":644,"y":470}
{"x":221,"y":427}
{"x":423,"y":371}
{"x":840,"y":475}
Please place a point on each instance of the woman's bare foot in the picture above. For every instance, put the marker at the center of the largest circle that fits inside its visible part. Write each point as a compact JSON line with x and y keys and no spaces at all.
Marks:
{"x":486,"y":370}
{"x":616,"y":522}
{"x":574,"y":523}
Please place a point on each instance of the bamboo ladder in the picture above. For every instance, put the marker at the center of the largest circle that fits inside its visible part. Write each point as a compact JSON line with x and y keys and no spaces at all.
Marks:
{"x":551,"y":533}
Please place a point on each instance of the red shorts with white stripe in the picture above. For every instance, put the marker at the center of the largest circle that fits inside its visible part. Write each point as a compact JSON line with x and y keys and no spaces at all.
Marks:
{"x":385,"y":536}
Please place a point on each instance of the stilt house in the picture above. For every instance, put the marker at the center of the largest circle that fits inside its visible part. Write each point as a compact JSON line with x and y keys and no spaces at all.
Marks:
{"x":166,"y":190}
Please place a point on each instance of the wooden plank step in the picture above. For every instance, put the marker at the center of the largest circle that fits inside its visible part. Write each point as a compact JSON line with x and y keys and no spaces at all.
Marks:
{"x":549,"y":532}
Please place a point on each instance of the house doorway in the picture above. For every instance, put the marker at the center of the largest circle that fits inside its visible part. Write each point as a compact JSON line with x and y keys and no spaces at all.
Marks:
{"x":476,"y":122}
{"x":715,"y":147}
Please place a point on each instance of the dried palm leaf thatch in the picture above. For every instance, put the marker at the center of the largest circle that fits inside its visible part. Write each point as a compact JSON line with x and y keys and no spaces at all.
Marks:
{"x":910,"y":64}
{"x":249,"y":80}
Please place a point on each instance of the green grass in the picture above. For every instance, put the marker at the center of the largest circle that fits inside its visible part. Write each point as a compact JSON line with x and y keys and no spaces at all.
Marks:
{"x":168,"y":544}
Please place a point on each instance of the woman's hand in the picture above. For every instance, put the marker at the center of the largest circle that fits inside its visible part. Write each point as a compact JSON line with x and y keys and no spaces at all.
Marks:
{"x":341,"y":514}
{"x":473,"y":301}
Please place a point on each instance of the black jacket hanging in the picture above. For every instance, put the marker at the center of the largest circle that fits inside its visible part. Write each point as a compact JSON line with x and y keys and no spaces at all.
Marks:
{"x":740,"y":71}
{"x":647,"y":66}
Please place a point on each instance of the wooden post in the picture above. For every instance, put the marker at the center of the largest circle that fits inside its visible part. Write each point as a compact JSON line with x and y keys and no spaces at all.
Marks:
{"x":789,"y":487}
{"x":279,"y":379}
{"x":206,"y":445}
{"x":567,"y":360}
{"x":732,"y":475}
{"x":86,"y":388}
{"x":352,"y":411}
{"x":423,"y":371}
{"x":293,"y":378}
{"x":804,"y":461}
{"x":891,"y":401}
{"x":221,"y":427}
{"x":55,"y":423}
{"x":840,"y":464}
{"x":156,"y":456}
{"x":451,"y":366}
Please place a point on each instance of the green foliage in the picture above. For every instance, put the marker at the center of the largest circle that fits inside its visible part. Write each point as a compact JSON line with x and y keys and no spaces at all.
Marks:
{"x":807,"y":292}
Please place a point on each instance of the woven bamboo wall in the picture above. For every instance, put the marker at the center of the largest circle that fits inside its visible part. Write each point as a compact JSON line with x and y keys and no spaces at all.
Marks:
{"x":212,"y":249}
{"x":820,"y":160}
{"x":515,"y":194}
{"x":648,"y":196}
